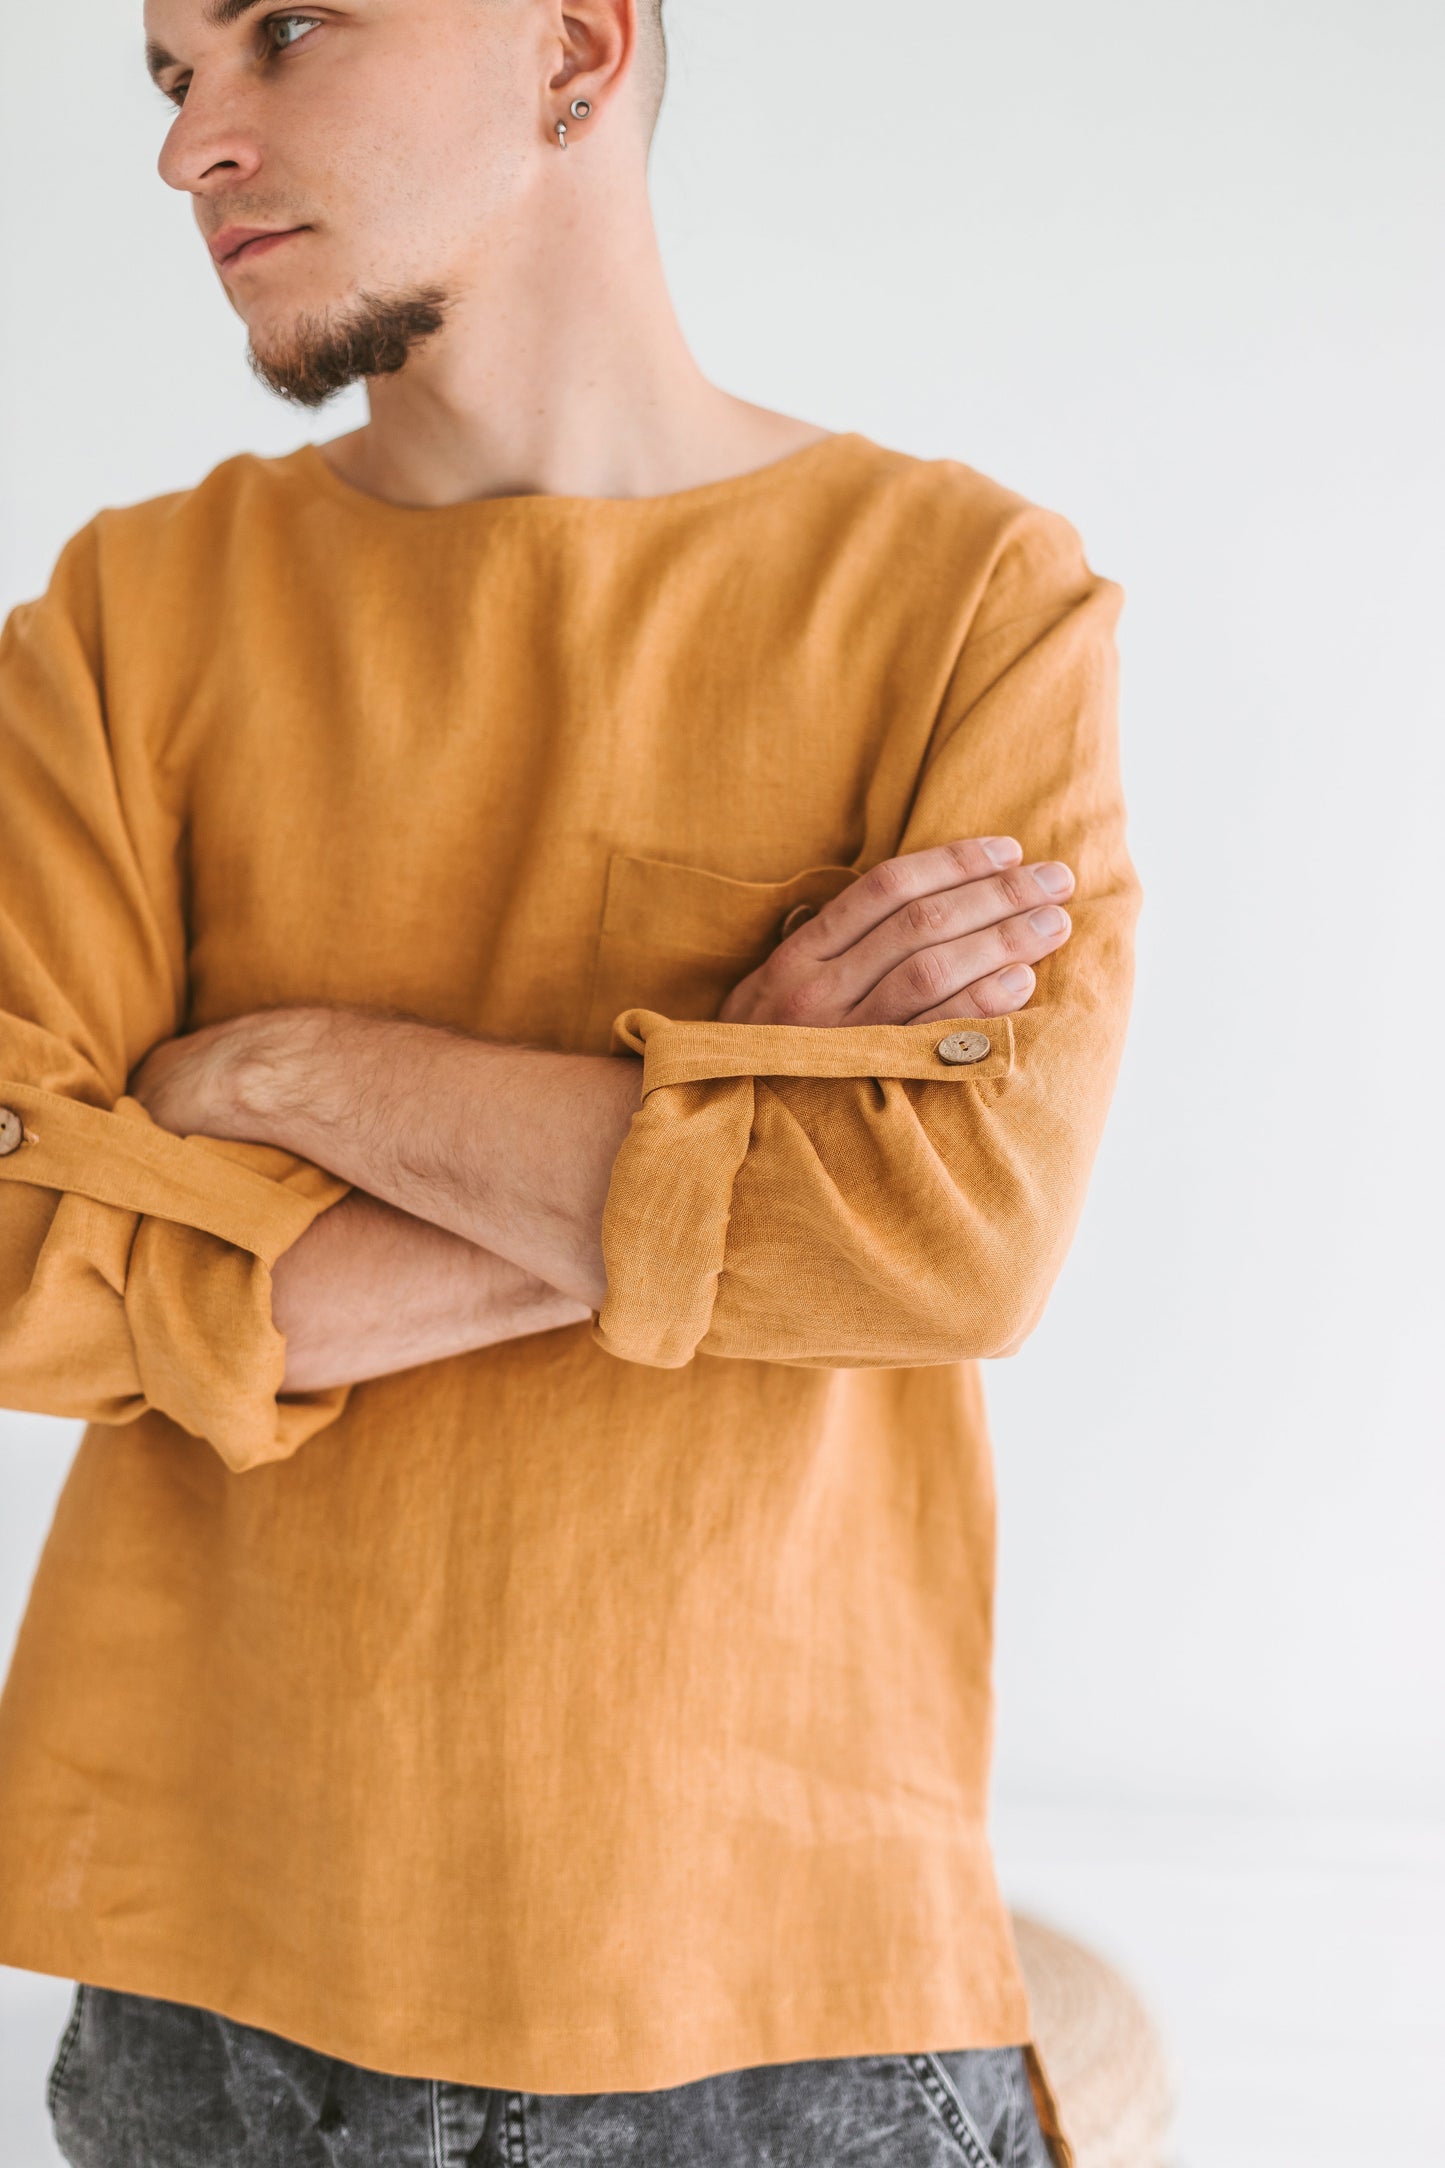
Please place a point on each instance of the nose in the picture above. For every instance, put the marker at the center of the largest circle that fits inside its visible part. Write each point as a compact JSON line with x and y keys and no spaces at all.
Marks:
{"x":210,"y":145}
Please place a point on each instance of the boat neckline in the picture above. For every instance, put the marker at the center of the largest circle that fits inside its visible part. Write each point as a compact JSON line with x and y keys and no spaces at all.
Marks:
{"x":318,"y":468}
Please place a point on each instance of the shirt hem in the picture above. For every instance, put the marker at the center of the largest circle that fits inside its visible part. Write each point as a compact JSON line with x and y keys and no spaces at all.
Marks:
{"x":577,"y":2062}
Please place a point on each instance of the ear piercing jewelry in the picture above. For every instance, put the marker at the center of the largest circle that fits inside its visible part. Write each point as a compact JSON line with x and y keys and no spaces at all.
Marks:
{"x":579,"y":109}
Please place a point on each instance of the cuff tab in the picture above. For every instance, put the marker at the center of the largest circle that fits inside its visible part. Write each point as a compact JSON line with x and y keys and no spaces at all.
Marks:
{"x":953,"y":1050}
{"x":121,"y":1157}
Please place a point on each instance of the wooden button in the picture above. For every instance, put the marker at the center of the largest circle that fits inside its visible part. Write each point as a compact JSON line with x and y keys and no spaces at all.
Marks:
{"x":12,"y":1132}
{"x":962,"y":1046}
{"x":794,"y":919}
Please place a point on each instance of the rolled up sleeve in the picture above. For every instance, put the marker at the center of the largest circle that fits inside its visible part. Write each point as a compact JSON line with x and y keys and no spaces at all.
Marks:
{"x":902,"y":1195}
{"x":135,"y":1266}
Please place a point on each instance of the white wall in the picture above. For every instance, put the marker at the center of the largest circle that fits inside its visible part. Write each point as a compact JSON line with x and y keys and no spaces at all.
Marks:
{"x":1174,"y":271}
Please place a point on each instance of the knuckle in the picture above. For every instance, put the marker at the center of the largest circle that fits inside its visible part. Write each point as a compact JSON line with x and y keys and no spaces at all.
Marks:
{"x":925,"y":915}
{"x":926,"y":976}
{"x":886,"y":882}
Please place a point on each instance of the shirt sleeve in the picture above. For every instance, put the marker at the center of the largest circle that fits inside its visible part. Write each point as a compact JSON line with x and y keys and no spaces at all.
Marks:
{"x":905,"y":1194}
{"x":134,"y":1265}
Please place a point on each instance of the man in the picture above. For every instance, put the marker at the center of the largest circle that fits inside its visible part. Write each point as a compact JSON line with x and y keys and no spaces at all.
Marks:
{"x":541,"y":1045}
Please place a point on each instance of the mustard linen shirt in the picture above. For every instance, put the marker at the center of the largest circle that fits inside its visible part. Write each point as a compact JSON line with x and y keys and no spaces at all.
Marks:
{"x":609,"y":1708}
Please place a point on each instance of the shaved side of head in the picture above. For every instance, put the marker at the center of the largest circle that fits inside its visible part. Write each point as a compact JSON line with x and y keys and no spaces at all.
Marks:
{"x":651,"y":61}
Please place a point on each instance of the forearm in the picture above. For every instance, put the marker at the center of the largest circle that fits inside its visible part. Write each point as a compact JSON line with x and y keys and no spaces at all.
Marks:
{"x":509,"y":1147}
{"x":369,"y":1290}
{"x":512,"y":1148}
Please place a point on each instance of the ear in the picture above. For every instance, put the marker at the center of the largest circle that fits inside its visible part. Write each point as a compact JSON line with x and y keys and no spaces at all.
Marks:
{"x":594,"y":44}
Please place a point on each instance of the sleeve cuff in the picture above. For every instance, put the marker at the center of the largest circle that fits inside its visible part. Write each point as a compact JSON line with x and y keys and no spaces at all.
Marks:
{"x":209,"y":1217}
{"x":665,"y":1223}
{"x":207,"y":1349}
{"x":249,"y":1195}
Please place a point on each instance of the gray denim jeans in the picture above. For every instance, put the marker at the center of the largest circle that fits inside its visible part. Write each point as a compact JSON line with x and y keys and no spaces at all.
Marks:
{"x":142,"y":2083}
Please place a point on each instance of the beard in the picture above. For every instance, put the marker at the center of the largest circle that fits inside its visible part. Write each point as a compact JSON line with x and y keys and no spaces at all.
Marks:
{"x":372,"y":336}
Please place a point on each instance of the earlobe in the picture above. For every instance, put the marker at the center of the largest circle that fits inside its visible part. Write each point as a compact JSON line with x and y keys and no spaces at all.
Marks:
{"x":579,"y":109}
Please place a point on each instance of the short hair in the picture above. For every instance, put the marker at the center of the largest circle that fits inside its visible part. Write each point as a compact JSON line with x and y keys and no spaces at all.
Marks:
{"x":651,"y":61}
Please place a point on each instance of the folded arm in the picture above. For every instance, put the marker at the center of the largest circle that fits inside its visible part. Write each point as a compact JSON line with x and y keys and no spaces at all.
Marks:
{"x":135,"y":1265}
{"x":861,"y":1196}
{"x":507,"y":1147}
{"x":827,"y":1173}
{"x":504,"y":1154}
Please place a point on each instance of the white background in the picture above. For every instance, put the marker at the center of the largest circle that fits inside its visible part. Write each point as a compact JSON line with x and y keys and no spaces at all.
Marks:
{"x":1174,"y":271}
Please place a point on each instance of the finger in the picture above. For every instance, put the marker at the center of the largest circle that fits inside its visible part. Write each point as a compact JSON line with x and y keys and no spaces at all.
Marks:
{"x":998,"y":993}
{"x":948,"y":914}
{"x":884,"y":888}
{"x":933,"y":977}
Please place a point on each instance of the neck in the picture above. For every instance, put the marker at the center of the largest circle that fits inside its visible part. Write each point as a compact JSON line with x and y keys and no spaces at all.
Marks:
{"x":562,"y":370}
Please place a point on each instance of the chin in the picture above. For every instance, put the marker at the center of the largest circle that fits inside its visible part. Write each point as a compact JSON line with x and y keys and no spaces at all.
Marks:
{"x":297,"y":311}
{"x":311,"y":348}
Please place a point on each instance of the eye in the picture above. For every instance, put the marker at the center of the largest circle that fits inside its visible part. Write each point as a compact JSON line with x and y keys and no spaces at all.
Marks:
{"x":281,"y":33}
{"x":288,"y":30}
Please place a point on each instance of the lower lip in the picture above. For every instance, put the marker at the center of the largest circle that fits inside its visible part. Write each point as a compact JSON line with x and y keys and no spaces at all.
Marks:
{"x":261,"y":246}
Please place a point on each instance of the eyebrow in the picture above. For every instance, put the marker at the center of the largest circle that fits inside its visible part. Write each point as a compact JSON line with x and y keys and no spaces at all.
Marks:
{"x":218,"y":14}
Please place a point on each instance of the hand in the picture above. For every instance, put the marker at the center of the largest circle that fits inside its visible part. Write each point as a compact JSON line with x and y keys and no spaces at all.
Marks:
{"x":940,"y":933}
{"x":186,"y":1085}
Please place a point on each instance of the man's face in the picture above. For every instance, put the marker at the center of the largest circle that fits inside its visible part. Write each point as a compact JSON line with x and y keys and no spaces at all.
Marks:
{"x":346,"y":154}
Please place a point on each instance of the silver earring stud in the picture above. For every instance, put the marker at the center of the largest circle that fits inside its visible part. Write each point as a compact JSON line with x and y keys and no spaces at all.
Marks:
{"x":579,"y":109}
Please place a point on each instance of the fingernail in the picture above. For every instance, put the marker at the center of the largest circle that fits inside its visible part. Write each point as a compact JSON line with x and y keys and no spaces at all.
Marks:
{"x":1049,"y":920}
{"x":1001,"y":850}
{"x":1053,"y":879}
{"x":1015,"y":980}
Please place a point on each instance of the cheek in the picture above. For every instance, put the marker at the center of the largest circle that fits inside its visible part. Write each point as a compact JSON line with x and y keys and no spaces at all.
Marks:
{"x":474,"y":158}
{"x":419,"y":199}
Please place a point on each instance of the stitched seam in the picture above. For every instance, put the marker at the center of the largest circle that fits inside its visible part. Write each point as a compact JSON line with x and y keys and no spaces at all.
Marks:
{"x":438,"y":2152}
{"x":516,"y":2132}
{"x":943,"y":2097}
{"x":62,"y":2053}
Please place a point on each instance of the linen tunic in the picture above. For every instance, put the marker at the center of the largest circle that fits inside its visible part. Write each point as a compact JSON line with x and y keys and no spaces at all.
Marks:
{"x":612,"y":1707}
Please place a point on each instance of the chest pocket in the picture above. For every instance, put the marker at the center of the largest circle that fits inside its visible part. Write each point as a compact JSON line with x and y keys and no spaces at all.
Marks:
{"x":678,"y":938}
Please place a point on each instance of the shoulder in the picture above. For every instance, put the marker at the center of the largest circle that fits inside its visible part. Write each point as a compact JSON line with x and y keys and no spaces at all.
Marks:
{"x":944,"y":531}
{"x":193,"y":531}
{"x":137,"y":588}
{"x":953,"y":503}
